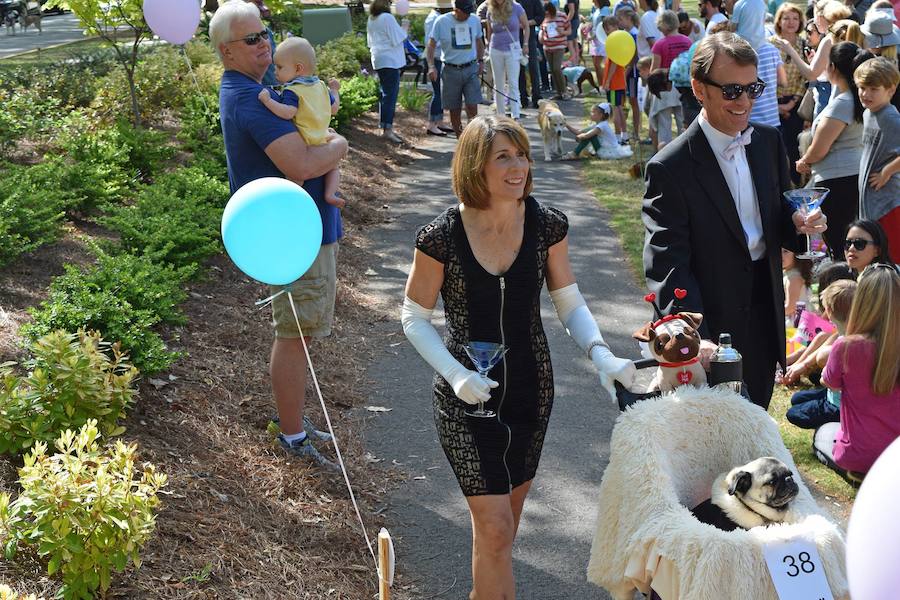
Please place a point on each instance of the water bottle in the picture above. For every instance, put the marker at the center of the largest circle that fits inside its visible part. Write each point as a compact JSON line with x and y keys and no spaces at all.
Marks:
{"x":725,"y":370}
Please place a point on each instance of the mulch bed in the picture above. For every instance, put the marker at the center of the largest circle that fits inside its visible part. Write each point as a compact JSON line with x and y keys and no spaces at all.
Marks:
{"x":240,"y":519}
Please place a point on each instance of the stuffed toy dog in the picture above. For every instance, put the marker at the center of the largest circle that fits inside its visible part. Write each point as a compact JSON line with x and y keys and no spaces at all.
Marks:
{"x":674,"y":342}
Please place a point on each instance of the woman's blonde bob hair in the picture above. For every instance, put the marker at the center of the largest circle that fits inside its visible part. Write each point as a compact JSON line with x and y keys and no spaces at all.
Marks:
{"x":876,"y":314}
{"x":473,"y":152}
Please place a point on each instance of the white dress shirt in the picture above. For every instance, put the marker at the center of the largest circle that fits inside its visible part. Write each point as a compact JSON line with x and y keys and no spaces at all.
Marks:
{"x":740,"y":183}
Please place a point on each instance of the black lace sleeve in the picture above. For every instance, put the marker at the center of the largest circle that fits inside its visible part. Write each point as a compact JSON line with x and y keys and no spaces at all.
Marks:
{"x":434,"y":239}
{"x":556,"y":225}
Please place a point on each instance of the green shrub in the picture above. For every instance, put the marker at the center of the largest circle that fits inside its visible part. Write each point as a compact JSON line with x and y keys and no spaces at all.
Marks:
{"x":161,"y":80}
{"x":288,"y":20}
{"x":137,"y":280}
{"x":201,"y":53}
{"x":147,"y":150}
{"x":86,"y":509}
{"x":416,"y":30}
{"x":72,"y":378}
{"x":342,"y":57}
{"x":174,"y":221}
{"x":30,"y":212}
{"x":74,"y":304}
{"x":71,"y":81}
{"x":358,"y":95}
{"x":412,"y":99}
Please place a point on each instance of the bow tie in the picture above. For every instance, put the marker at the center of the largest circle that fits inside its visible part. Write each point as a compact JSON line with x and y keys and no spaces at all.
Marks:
{"x":742,"y":140}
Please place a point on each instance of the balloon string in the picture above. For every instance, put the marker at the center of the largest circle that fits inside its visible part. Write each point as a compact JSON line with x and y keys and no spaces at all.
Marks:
{"x":194,"y":78}
{"x":267,"y":301}
{"x":337,"y":449}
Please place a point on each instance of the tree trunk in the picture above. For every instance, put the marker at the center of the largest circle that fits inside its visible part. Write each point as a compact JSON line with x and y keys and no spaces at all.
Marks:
{"x":135,"y":108}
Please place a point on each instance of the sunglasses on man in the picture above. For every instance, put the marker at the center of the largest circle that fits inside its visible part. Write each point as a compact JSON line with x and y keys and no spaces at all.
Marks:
{"x":858,"y":243}
{"x":733,"y":91}
{"x":253,"y":39}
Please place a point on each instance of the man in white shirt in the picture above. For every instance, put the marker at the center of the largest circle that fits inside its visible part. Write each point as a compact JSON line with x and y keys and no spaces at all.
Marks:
{"x":716,"y":218}
{"x":711,"y":10}
{"x":648,"y":33}
{"x":461,"y":41}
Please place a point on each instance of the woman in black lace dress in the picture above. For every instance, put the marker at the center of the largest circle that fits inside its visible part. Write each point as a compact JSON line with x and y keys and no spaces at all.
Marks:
{"x":488,"y":258}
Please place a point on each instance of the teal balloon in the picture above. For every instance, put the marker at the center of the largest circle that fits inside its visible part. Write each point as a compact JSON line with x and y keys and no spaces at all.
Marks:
{"x":272,"y":230}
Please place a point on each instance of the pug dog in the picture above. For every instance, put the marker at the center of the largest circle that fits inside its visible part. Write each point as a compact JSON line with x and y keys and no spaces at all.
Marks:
{"x":758,"y":493}
{"x":675,"y":344}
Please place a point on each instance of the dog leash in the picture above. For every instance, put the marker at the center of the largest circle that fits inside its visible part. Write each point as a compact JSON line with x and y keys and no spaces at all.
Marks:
{"x":516,"y":100}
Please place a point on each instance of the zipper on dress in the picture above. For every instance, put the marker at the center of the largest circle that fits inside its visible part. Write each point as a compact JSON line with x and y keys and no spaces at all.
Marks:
{"x":503,"y":394}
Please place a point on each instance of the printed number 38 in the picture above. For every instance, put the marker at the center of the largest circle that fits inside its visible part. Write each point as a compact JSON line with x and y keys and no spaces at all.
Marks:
{"x":806,"y":565}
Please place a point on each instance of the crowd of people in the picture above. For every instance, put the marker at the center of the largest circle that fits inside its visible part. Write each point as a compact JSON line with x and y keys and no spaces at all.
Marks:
{"x":718,"y":225}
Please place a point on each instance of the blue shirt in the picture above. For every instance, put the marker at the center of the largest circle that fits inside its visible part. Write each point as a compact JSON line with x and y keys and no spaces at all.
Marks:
{"x":750,"y":18}
{"x":765,"y":108}
{"x":248,"y":128}
{"x":456,"y":48}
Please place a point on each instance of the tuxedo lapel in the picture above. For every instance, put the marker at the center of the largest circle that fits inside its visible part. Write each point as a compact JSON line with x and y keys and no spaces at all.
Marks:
{"x":762,"y":175}
{"x":713,"y":181}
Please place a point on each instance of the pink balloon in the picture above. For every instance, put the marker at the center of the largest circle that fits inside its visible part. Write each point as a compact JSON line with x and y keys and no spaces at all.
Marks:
{"x":173,"y":20}
{"x":401,"y":7}
{"x":873,"y":534}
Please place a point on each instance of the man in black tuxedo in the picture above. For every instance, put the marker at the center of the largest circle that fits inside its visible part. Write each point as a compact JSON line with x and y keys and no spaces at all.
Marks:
{"x":716,"y":218}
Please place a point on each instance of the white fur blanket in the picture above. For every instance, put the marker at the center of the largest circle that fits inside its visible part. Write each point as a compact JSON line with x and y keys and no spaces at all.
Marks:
{"x":665,"y":454}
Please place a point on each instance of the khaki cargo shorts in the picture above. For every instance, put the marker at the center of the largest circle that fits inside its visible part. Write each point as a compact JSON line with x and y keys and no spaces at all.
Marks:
{"x":313,"y":297}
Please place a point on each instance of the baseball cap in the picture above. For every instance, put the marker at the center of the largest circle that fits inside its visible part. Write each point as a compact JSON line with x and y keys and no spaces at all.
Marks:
{"x":604,"y":106}
{"x":464,"y":5}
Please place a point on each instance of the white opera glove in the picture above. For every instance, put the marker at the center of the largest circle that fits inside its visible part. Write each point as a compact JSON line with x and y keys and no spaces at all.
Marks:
{"x":468,"y":385}
{"x":580,"y":324}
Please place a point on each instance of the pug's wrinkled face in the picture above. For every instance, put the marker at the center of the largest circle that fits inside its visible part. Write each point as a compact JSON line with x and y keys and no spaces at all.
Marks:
{"x":674,"y":341}
{"x":766,"y":481}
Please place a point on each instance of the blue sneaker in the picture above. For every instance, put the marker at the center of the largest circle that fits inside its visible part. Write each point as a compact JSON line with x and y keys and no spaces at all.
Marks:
{"x":305,"y":449}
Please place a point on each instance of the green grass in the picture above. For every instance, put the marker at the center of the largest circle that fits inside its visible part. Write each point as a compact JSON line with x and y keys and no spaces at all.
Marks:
{"x":621,"y":196}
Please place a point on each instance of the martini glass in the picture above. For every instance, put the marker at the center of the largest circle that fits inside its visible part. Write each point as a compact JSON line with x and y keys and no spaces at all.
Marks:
{"x":485,"y":356}
{"x":807,"y":200}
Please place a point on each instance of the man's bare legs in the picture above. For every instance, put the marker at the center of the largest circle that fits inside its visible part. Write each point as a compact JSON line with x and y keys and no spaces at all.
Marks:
{"x":456,"y":117}
{"x":287,"y":367}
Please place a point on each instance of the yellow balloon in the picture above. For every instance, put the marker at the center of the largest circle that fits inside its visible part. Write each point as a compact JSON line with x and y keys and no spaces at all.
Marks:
{"x":620,"y":47}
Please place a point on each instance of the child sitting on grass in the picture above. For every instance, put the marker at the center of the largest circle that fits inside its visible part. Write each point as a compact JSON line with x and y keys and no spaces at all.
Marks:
{"x":811,"y":409}
{"x":865,"y":366}
{"x":306,"y":100}
{"x":827,"y":274}
{"x":599,"y":135}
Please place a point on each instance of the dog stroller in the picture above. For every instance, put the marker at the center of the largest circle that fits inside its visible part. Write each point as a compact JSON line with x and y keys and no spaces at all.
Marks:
{"x":665,"y":453}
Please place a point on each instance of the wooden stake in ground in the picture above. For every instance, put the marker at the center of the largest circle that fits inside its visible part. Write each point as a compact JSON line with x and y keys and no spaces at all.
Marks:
{"x":385,"y":564}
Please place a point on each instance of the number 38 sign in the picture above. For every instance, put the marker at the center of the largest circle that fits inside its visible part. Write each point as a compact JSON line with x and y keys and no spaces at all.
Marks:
{"x":797,"y":571}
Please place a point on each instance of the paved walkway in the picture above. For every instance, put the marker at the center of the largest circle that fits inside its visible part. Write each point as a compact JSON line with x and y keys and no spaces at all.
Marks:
{"x":57,"y":29}
{"x":427,"y":514}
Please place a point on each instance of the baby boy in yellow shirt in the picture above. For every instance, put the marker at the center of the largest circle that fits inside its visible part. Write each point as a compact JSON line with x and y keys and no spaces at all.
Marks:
{"x":306,"y":100}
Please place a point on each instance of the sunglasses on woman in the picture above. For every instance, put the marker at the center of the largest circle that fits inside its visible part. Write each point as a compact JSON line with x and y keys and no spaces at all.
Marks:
{"x":733,"y":91}
{"x":253,"y":39}
{"x":857,"y":243}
